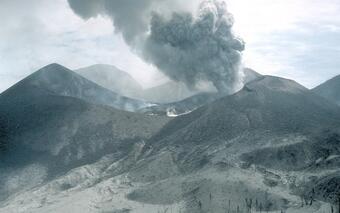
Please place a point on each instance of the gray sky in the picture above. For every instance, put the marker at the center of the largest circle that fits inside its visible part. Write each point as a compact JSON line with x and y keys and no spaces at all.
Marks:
{"x":297,"y":39}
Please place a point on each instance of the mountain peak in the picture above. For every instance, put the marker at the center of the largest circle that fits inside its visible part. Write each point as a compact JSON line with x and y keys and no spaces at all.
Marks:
{"x":54,"y":70}
{"x":53,"y":65}
{"x":40,"y":82}
{"x":275,"y":84}
{"x":112,"y":78}
{"x":250,"y":75}
{"x":330,"y":89}
{"x":57,"y":80}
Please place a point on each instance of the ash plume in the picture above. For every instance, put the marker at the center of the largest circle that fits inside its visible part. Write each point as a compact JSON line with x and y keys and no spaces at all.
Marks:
{"x":189,"y":47}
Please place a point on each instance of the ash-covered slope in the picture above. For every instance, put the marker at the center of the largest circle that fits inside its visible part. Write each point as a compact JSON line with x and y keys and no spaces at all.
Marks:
{"x":112,"y":78}
{"x":55,"y":120}
{"x":181,"y":107}
{"x":51,"y":122}
{"x":273,"y":127}
{"x":269,"y":103}
{"x":57,"y":80}
{"x":46,"y":135}
{"x":330,"y":89}
{"x":213,"y":159}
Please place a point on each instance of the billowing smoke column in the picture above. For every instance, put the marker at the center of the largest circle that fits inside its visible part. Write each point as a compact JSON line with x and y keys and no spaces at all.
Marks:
{"x":186,"y":47}
{"x":190,"y":49}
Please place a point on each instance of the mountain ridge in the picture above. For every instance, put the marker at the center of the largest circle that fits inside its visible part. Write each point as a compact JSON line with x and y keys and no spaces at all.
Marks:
{"x":330,"y":89}
{"x":112,"y":78}
{"x":55,"y":79}
{"x":273,"y":142}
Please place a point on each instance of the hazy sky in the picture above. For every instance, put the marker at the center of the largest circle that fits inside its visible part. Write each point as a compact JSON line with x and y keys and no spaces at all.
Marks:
{"x":297,"y":39}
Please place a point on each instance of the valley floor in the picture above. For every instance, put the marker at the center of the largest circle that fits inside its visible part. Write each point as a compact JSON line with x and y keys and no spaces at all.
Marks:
{"x":90,"y":189}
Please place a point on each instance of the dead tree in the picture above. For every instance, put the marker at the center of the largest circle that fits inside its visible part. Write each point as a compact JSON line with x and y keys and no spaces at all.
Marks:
{"x":228,"y":206}
{"x":338,"y":197}
{"x":200,"y":205}
{"x":249,"y":203}
{"x":311,"y":197}
{"x":260,"y":207}
{"x":3,"y":136}
{"x":302,"y":200}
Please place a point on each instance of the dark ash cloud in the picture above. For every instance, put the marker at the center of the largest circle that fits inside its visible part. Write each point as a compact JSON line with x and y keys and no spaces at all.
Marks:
{"x":130,"y":17}
{"x":187,"y":47}
{"x":191,"y":49}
